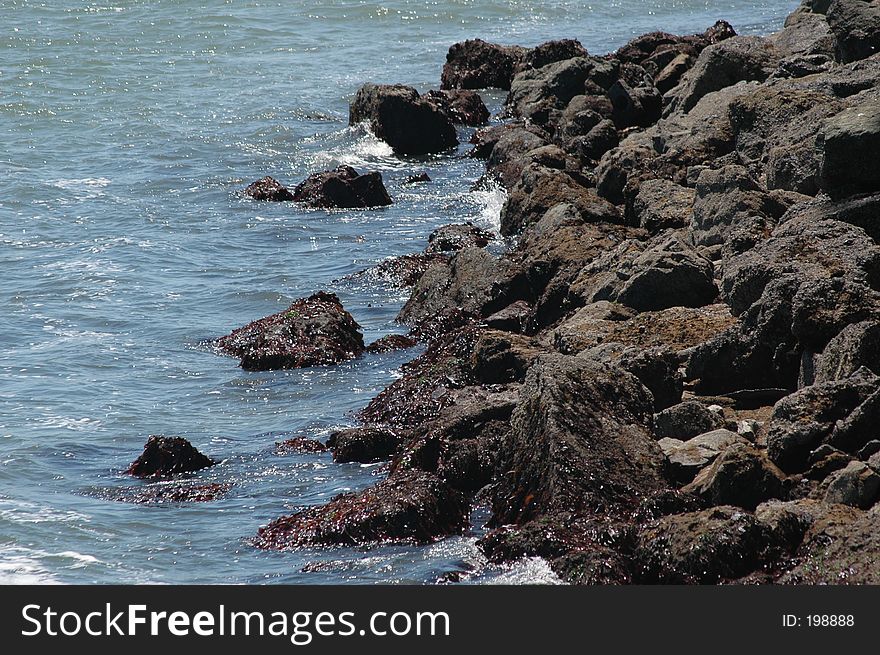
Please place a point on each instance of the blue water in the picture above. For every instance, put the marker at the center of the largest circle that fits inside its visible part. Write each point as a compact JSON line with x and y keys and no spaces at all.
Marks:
{"x":127,"y":129}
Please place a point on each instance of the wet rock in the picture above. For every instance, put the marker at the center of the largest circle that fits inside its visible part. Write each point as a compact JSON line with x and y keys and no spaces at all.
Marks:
{"x":500,"y":357}
{"x":703,"y":547}
{"x":463,"y":107}
{"x":363,"y":445}
{"x":404,"y":271}
{"x":857,"y":345}
{"x":689,"y":457}
{"x":418,"y":178}
{"x":343,"y":187}
{"x":660,"y":205}
{"x":476,"y":64}
{"x":686,"y":420}
{"x":579,"y":440}
{"x":391,"y":342}
{"x":656,"y":368}
{"x":299,"y":445}
{"x":398,"y":115}
{"x":541,"y":188}
{"x":313,"y":331}
{"x":512,"y":318}
{"x":553,"y":51}
{"x":849,"y":145}
{"x":167,"y":456}
{"x":486,"y":139}
{"x":806,"y":418}
{"x":738,"y":59}
{"x":169,"y":492}
{"x":451,"y":238}
{"x":268,"y":188}
{"x":741,"y":475}
{"x":857,"y":485}
{"x":412,"y":506}
{"x":870,"y":448}
{"x":856,"y":28}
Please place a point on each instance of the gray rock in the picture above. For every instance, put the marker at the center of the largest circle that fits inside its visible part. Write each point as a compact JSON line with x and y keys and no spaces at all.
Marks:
{"x":856,"y":28}
{"x":741,"y":475}
{"x":661,"y":204}
{"x":857,"y":486}
{"x":850,"y":143}
{"x":697,"y":453}
{"x":686,"y":420}
{"x":534,"y":93}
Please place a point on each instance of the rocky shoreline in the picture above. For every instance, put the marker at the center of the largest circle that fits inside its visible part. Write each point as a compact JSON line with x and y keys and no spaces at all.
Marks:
{"x":672,"y":374}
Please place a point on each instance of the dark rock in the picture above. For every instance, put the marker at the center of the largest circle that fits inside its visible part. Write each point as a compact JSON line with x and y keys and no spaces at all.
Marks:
{"x":670,"y":75}
{"x":299,"y":445}
{"x":579,"y":441}
{"x":856,"y":28}
{"x":704,"y":547}
{"x":391,"y":342}
{"x":313,"y":331}
{"x":742,"y":476}
{"x":404,"y":271}
{"x":363,"y":445}
{"x":484,"y":140}
{"x":657,"y":369}
{"x":500,"y":357}
{"x":640,"y":106}
{"x":856,"y":430}
{"x":417,"y":179}
{"x":167,"y":456}
{"x":268,"y":188}
{"x":343,"y":187}
{"x":410,"y":507}
{"x":738,"y":59}
{"x":553,"y":51}
{"x":510,"y":154}
{"x":458,"y":236}
{"x":540,"y":188}
{"x":849,"y":146}
{"x":397,"y":114}
{"x":686,"y":420}
{"x":857,"y":345}
{"x":806,"y":418}
{"x":857,"y":485}
{"x":591,"y":146}
{"x":660,"y":205}
{"x":537,"y":92}
{"x":687,"y":458}
{"x":462,"y":107}
{"x":869,"y":449}
{"x":512,"y":318}
{"x":476,"y":64}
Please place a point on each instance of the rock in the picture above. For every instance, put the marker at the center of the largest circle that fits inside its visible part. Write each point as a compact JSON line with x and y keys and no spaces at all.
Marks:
{"x":870,"y":448}
{"x":849,"y":145}
{"x":695,"y":454}
{"x":313,"y":331}
{"x":856,"y":28}
{"x":363,"y":445}
{"x":670,"y":76}
{"x":500,"y":357}
{"x":686,"y":420}
{"x":806,"y":418}
{"x":841,"y":547}
{"x":462,"y":283}
{"x":540,"y":189}
{"x":167,"y":456}
{"x":635,"y":107}
{"x":299,"y":445}
{"x":391,"y":342}
{"x":463,"y":107}
{"x":510,"y":154}
{"x":704,"y":547}
{"x":804,"y":34}
{"x":647,"y":277}
{"x":410,"y":507}
{"x":451,"y":238}
{"x":476,"y":64}
{"x":268,"y":188}
{"x":591,"y":146}
{"x":856,"y":485}
{"x":536,"y":92}
{"x":738,"y":59}
{"x":343,"y":187}
{"x":417,"y":178}
{"x":741,"y":475}
{"x":553,"y":51}
{"x":398,"y":115}
{"x":512,"y":318}
{"x":579,"y":439}
{"x":403,"y":271}
{"x":856,"y":430}
{"x":661,"y":205}
{"x":855,"y":346}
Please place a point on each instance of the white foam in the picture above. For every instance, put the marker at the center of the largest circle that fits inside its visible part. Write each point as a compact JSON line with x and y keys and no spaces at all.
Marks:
{"x":527,"y":571}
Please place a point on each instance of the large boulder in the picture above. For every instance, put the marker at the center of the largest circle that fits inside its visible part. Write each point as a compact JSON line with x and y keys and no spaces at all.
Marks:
{"x":552,"y":51}
{"x":660,"y":205}
{"x":411,"y":506}
{"x":476,"y":64}
{"x":742,"y":476}
{"x":687,"y":458}
{"x":397,"y":114}
{"x":580,"y":440}
{"x":343,"y":187}
{"x":167,"y":456}
{"x":856,"y":28}
{"x":857,"y":485}
{"x":857,"y":345}
{"x":313,"y":331}
{"x":849,"y":145}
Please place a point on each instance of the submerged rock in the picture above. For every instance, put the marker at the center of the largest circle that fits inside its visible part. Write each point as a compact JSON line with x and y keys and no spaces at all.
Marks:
{"x":268,"y":188}
{"x":411,"y":507}
{"x":167,"y":456}
{"x":299,"y":445}
{"x":343,"y":187}
{"x":451,"y":238}
{"x":398,"y":115}
{"x":313,"y":331}
{"x":168,"y":492}
{"x":391,"y":342}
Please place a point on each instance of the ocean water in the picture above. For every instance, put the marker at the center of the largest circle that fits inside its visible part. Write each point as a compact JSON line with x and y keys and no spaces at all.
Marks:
{"x":128,"y":130}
